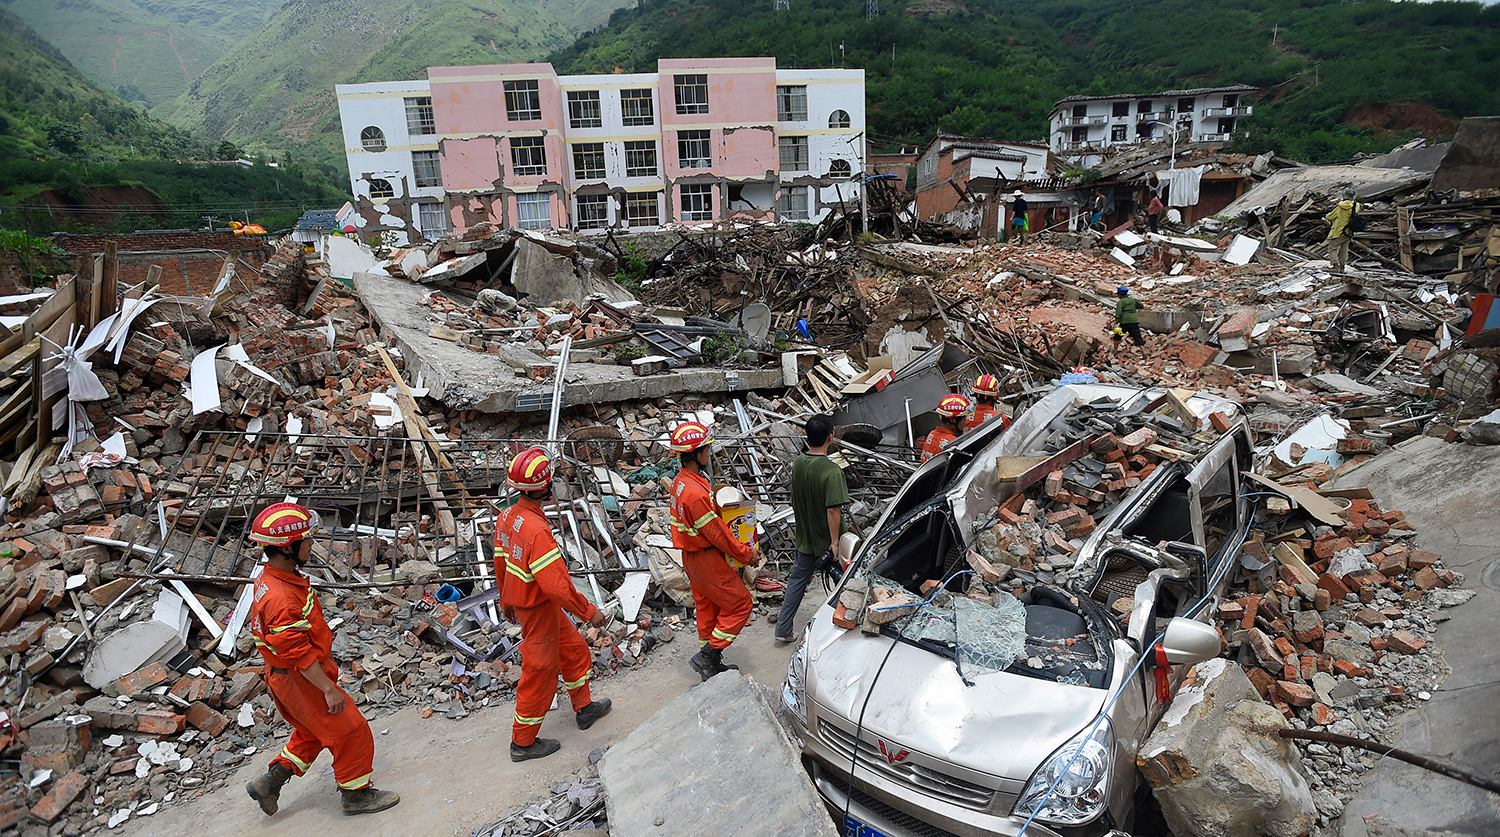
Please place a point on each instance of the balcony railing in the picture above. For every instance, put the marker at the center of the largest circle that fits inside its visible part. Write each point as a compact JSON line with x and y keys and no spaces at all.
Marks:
{"x":1080,"y":146}
{"x":1241,"y":110}
{"x":1154,"y":116}
{"x":1215,"y":137}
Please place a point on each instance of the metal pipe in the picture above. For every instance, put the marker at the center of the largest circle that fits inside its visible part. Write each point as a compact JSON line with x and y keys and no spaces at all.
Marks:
{"x":1432,"y":762}
{"x":557,"y":390}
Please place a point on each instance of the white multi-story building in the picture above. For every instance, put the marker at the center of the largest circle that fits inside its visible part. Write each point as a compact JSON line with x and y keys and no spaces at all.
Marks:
{"x":1081,"y":125}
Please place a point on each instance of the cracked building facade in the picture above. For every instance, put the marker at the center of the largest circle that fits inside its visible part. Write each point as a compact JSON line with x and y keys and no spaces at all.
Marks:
{"x":698,"y":140}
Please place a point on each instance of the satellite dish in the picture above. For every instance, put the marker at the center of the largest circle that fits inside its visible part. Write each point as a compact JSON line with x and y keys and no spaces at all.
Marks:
{"x":755,"y":321}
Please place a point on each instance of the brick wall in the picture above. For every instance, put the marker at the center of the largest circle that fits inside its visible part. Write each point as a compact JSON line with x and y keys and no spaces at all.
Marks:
{"x":191,"y":260}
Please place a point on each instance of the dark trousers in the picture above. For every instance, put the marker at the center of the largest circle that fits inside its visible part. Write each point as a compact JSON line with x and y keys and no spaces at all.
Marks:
{"x":1134,"y":330}
{"x":796,"y":586}
{"x":1155,"y":221}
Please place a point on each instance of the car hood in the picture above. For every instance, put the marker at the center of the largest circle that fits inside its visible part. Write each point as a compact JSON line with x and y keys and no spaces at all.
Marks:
{"x":1004,"y":724}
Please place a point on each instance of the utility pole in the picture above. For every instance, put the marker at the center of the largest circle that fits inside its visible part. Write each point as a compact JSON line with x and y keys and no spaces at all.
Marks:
{"x":872,"y":8}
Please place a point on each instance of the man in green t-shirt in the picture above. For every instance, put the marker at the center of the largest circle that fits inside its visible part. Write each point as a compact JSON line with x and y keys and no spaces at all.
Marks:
{"x":818,"y":497}
{"x":1127,"y":314}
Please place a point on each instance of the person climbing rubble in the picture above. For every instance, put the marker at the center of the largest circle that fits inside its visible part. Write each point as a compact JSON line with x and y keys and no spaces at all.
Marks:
{"x":953,"y":412}
{"x":534,"y":591}
{"x":986,"y":392}
{"x":1339,"y":233}
{"x":711,"y":555}
{"x":1128,"y":317}
{"x":295,"y":641}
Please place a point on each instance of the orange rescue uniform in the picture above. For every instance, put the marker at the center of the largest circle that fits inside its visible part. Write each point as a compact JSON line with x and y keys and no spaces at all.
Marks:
{"x":983,"y":413}
{"x":292,"y":636}
{"x":534,"y":581}
{"x":711,"y":555}
{"x":941,"y":437}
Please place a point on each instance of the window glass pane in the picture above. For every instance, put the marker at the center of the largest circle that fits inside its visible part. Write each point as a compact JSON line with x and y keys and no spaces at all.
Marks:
{"x":838,"y":119}
{"x":793,"y":153}
{"x":583,"y":109}
{"x":697,"y":202}
{"x":372,"y":139}
{"x":593,"y":212}
{"x":533,"y":211}
{"x":419,"y":121}
{"x":839,"y":168}
{"x":635,"y":107}
{"x":791,"y":103}
{"x":588,"y":161}
{"x":793,"y":204}
{"x":523,"y":101}
{"x":432,"y":220}
{"x":640,"y":159}
{"x":381,"y":188}
{"x":694,"y":150}
{"x":528,"y":155}
{"x":640,"y":209}
{"x":427,"y":169}
{"x":692,"y":93}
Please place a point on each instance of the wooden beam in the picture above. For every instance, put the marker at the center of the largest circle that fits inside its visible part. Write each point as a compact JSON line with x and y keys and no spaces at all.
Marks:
{"x":1403,"y":229}
{"x":109,"y":286}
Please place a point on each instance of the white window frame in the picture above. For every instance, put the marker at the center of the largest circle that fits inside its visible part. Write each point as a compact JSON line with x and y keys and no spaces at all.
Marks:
{"x":797,"y":159}
{"x":584,"y":110}
{"x":586,"y":206}
{"x":419,"y":118}
{"x":523,"y":101}
{"x":429,"y":211}
{"x":691,"y":93}
{"x":430,"y":163}
{"x":585,"y":153}
{"x":526,"y":149}
{"x":839,"y":119}
{"x":788,"y":204}
{"x":695,"y":150}
{"x":840,"y":168}
{"x":381,"y":189}
{"x":637,"y":107}
{"x":534,"y":210}
{"x":635,"y":205}
{"x":372,"y":139}
{"x":636,"y":158}
{"x":696,"y":202}
{"x":791,"y":103}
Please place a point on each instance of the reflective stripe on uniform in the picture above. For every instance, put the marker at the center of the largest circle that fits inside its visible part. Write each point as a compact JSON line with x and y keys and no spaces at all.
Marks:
{"x":308,"y":606}
{"x":356,"y":784}
{"x":301,"y":765}
{"x":530,"y":722}
{"x":518,"y":572}
{"x":576,"y":684}
{"x":718,"y":634}
{"x":541,"y":563}
{"x":699,"y":524}
{"x":299,"y":625}
{"x":260,"y":643}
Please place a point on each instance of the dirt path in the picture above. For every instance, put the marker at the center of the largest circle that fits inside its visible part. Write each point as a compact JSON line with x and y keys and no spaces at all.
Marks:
{"x":455,"y":776}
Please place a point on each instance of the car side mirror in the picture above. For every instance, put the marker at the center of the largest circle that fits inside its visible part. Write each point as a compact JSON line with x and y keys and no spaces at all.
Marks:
{"x":848,"y":542}
{"x":1189,"y":642}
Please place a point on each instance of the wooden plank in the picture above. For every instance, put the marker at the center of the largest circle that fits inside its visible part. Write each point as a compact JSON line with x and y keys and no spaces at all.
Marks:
{"x":109,"y":286}
{"x":41,"y":318}
{"x":20,"y":357}
{"x":18,"y":470}
{"x":1403,"y":229}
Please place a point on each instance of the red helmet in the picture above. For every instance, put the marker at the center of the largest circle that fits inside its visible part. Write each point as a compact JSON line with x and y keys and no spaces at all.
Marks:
{"x":953,"y":406}
{"x":689,"y":436}
{"x":987,"y":385}
{"x":530,"y":470}
{"x":283,"y":523}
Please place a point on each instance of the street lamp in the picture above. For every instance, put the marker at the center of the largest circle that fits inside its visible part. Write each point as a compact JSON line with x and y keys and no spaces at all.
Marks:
{"x":1174,"y":140}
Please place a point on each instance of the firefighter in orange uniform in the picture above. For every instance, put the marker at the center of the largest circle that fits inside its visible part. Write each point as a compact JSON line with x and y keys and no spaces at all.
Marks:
{"x":952,"y":412}
{"x":535,"y":590}
{"x":294,"y":639}
{"x":986,"y":391}
{"x":711,"y":554}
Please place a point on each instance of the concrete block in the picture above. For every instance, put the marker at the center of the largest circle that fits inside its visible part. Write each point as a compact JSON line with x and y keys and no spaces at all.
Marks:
{"x":58,"y":746}
{"x":128,"y":649}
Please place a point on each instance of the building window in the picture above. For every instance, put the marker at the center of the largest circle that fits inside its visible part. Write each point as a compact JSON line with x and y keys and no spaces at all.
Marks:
{"x":692,"y":93}
{"x":635,"y":107}
{"x":694,"y":150}
{"x":1226,"y":126}
{"x":640,"y":159}
{"x":640,"y":209}
{"x":1143,"y":106}
{"x":793,"y":153}
{"x":1185,"y":105}
{"x":583,"y":109}
{"x":697,"y":203}
{"x":372,"y":139}
{"x":1080,"y":134}
{"x":419,"y":121}
{"x":523,"y":101}
{"x":840,"y":169}
{"x":1117,"y":133}
{"x":1145,"y":130}
{"x":593,"y":212}
{"x":1080,"y":110}
{"x":533,"y":211}
{"x":838,"y":119}
{"x":791,"y":103}
{"x":1118,"y":109}
{"x":381,"y":188}
{"x":793,"y":205}
{"x":528,"y":156}
{"x":1231,"y":100}
{"x":588,"y":160}
{"x":428,"y":171}
{"x":432,"y":220}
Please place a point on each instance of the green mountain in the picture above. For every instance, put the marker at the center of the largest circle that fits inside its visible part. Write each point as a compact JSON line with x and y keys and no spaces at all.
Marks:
{"x":148,"y":51}
{"x":1336,"y":77}
{"x":74,"y":156}
{"x":274,"y":90}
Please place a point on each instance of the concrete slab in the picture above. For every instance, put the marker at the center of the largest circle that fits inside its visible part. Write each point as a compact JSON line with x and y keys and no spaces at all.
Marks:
{"x":1451,"y":493}
{"x":713,"y":761}
{"x":468,"y":380}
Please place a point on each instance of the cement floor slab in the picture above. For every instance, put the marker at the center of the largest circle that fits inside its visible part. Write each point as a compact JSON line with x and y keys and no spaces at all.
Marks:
{"x":465,"y":379}
{"x":1451,"y":493}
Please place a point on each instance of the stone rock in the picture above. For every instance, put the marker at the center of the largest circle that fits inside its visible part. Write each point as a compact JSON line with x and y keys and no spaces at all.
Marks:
{"x":1449,"y":598}
{"x":1351,"y":651}
{"x":1216,"y":766}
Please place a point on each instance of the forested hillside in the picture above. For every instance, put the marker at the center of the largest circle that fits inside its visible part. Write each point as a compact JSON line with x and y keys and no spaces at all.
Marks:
{"x":1337,"y":77}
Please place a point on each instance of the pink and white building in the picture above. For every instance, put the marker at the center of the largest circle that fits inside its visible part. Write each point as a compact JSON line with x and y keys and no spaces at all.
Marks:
{"x":699,"y":140}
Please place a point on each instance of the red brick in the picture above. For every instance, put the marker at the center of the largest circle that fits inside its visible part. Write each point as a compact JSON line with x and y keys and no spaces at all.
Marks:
{"x":1393,"y":565}
{"x":158,"y":722}
{"x":1426,"y":579}
{"x":1404,"y":642}
{"x":1419,"y":559}
{"x":244,"y":686}
{"x":1336,"y":588}
{"x":57,"y":800}
{"x":1285,"y":646}
{"x":1348,"y":669}
{"x":1322,"y":715}
{"x":1195,"y":355}
{"x":1262,"y":680}
{"x":144,"y":679}
{"x":1296,"y":694}
{"x":1139,"y":439}
{"x":206,"y":719}
{"x":1377,"y":527}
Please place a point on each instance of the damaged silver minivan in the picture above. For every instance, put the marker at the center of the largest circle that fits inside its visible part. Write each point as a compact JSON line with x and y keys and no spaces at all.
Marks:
{"x":972,"y":717}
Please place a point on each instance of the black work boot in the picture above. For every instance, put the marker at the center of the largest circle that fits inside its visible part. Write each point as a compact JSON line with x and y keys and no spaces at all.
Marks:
{"x":266,"y":788}
{"x":719,"y":665}
{"x":538,"y":749}
{"x":368,"y":800}
{"x":710,"y":661}
{"x":593,"y":712}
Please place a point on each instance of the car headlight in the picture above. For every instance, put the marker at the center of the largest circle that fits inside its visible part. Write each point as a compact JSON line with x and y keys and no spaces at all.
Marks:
{"x":1082,"y":790}
{"x":794,"y":690}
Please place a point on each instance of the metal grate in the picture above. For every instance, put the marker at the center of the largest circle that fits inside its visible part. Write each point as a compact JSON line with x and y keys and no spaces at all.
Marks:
{"x":906,"y":822}
{"x":922,"y":779}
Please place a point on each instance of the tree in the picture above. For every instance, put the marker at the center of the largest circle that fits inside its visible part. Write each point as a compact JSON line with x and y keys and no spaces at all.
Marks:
{"x":228,"y":151}
{"x":65,"y":137}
